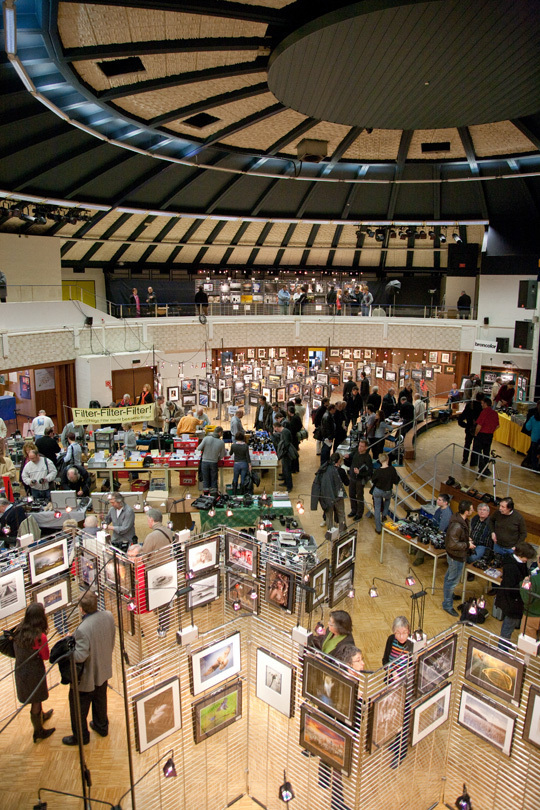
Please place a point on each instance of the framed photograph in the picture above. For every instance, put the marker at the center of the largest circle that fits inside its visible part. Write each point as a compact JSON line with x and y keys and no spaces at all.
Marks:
{"x":428,"y":373}
{"x":316,"y":404}
{"x":227,"y":394}
{"x":318,"y":580}
{"x":367,"y":354}
{"x":343,"y":551}
{"x":431,"y":714}
{"x":348,"y":365}
{"x":390,"y":376}
{"x":386,"y":717}
{"x":283,"y":352}
{"x":239,"y":386}
{"x":12,"y":595}
{"x":335,"y":353}
{"x":222,"y":382}
{"x":48,"y":561}
{"x":261,"y":354}
{"x":433,"y":357}
{"x":128,"y":617}
{"x":293,"y":390}
{"x":291,"y":373}
{"x":173,"y":393}
{"x":204,"y":589}
{"x":189,"y":400}
{"x":203,"y":400}
{"x":189,"y":386}
{"x":213,"y":394}
{"x":274,"y":379}
{"x":435,"y":665}
{"x":379,"y":372}
{"x":334,"y":380}
{"x":416,"y":374}
{"x":357,"y":354}
{"x":208,"y":286}
{"x":346,"y":354}
{"x":161,"y":584}
{"x":531,"y":729}
{"x":437,"y":369}
{"x":329,"y":688}
{"x":243,"y":590}
{"x":125,"y":571}
{"x":340,"y":585}
{"x":445,"y":357}
{"x":257,"y":373}
{"x":157,"y":713}
{"x":241,"y":554}
{"x":334,"y":368}
{"x":267,"y":392}
{"x":281,"y":394}
{"x":202,"y":554}
{"x":318,"y":390}
{"x":275,"y":682}
{"x":280,"y":586}
{"x":487,"y":719}
{"x":215,"y":663}
{"x":449,"y":369}
{"x":326,"y":739}
{"x":322,"y":378}
{"x":240,"y":401}
{"x":217,"y":711}
{"x":54,"y":596}
{"x":496,"y":671}
{"x":301,"y":370}
{"x":250,"y":354}
{"x":203,"y":386}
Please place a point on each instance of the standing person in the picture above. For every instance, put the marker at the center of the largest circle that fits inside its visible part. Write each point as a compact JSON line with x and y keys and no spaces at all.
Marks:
{"x":354,"y":406}
{"x":160,"y":536}
{"x":48,"y":446}
{"x":328,"y":490}
{"x":485,"y":426}
{"x":212,"y":450}
{"x":384,"y":479}
{"x":406,"y":392}
{"x":130,"y":440}
{"x":371,"y":424}
{"x":360,"y":472}
{"x":367,"y":301}
{"x":38,"y":474}
{"x":120,"y":521}
{"x":339,"y":634}
{"x":134,"y":303}
{"x":3,"y":429}
{"x":285,"y":453}
{"x":27,"y":447}
{"x":398,"y":647}
{"x":507,"y":527}
{"x":73,"y":453}
{"x":294,"y":424}
{"x":364,"y":389}
{"x":457,"y":543}
{"x":236,"y":424}
{"x":532,"y":427}
{"x":40,"y":424}
{"x":467,"y":420}
{"x":348,"y":387}
{"x":263,"y":420}
{"x":71,"y":427}
{"x":380,"y":432}
{"x":31,"y":650}
{"x":468,"y":387}
{"x":202,"y":417}
{"x":505,"y":396}
{"x":508,"y":597}
{"x":3,"y":287}
{"x":464,"y":305}
{"x":440,"y":519}
{"x":340,"y":419}
{"x":389,"y":403}
{"x":151,"y":301}
{"x":495,"y":388}
{"x":406,"y":412}
{"x":328,"y":432}
{"x":331,"y":300}
{"x":11,"y":517}
{"x":419,"y":409}
{"x":375,"y":398}
{"x":242,"y":460}
{"x":300,"y":408}
{"x":94,"y":646}
{"x":317,"y":419}
{"x":201,"y":301}
{"x":530,"y":594}
{"x":284,"y":299}
{"x":145,"y":397}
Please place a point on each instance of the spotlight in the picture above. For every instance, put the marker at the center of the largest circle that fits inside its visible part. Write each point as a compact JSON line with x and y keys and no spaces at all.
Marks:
{"x":442,"y":238}
{"x":526,"y":585}
{"x":472,"y":608}
{"x":352,"y":593}
{"x":410,"y":581}
{"x":161,"y":632}
{"x":237,"y":604}
{"x":137,"y":506}
{"x":456,"y":237}
{"x":379,"y":235}
{"x":68,"y":508}
{"x":402,"y":235}
{"x":131,"y":605}
{"x":229,"y":512}
{"x":370,"y":232}
{"x":58,"y":514}
{"x":481,"y":603}
{"x":211,"y":512}
{"x":39,"y":217}
{"x":320,"y":629}
{"x":300,"y":506}
{"x":431,"y":234}
{"x":170,"y":524}
{"x":253,"y":595}
{"x":422,"y":234}
{"x":146,"y":508}
{"x":410,"y":231}
{"x":463,"y":802}
{"x":373,"y":592}
{"x":168,"y":769}
{"x":286,"y":793}
{"x":392,"y":233}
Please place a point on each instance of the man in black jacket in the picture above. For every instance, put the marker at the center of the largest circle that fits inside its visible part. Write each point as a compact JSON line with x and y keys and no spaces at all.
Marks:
{"x":348,"y":387}
{"x":76,"y":478}
{"x":457,"y":544}
{"x":364,"y":389}
{"x":285,"y":453}
{"x":354,"y":406}
{"x":467,"y":420}
{"x":389,"y":404}
{"x":263,"y":418}
{"x":360,"y":471}
{"x":11,"y":517}
{"x":509,"y":601}
{"x":406,"y":412}
{"x":328,"y":433}
{"x":317,"y":419}
{"x":340,"y":418}
{"x":48,"y":446}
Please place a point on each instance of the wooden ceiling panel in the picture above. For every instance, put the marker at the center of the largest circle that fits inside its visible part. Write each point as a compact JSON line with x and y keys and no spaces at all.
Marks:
{"x":265,"y":256}
{"x":325,"y":131}
{"x":228,"y":114}
{"x":262,"y":135}
{"x":502,"y":138}
{"x":343,"y":258}
{"x":430,"y":136}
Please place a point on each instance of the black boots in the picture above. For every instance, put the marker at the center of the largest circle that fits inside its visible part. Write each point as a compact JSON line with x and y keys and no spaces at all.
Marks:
{"x":41,"y":733}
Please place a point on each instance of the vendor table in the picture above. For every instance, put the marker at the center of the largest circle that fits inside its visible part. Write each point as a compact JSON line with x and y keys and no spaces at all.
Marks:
{"x":242,"y":517}
{"x":436,"y":553}
{"x":470,"y":569}
{"x":509,"y":433}
{"x":47,"y":520}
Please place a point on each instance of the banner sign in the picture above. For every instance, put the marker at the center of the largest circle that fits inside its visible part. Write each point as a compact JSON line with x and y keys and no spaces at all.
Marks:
{"x":485,"y":345}
{"x":107,"y":416}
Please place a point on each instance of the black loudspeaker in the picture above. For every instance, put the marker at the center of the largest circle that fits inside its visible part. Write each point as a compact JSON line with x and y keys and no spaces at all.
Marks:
{"x":503,"y":345}
{"x":486,"y":321}
{"x":523,"y":335}
{"x":88,"y":321}
{"x":528,"y":292}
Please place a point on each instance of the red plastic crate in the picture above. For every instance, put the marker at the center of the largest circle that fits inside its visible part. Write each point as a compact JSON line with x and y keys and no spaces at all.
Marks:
{"x":188,"y":479}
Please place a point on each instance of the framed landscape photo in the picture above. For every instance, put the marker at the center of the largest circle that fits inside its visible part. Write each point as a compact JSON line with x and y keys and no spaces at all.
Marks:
{"x":243,"y":590}
{"x":445,"y":357}
{"x":275,"y":682}
{"x":241,"y":554}
{"x":493,"y":670}
{"x":435,"y":665}
{"x":215,"y":663}
{"x":173,"y":393}
{"x":531,"y":728}
{"x":280,"y":586}
{"x":157,"y":713}
{"x":125,"y":572}
{"x":161,"y":584}
{"x":343,"y":551}
{"x":202,"y":554}
{"x":48,"y":561}
{"x":329,"y":688}
{"x":55,"y":595}
{"x":317,"y":578}
{"x":217,"y":711}
{"x":341,"y":585}
{"x":12,"y":595}
{"x":431,"y":714}
{"x":390,"y":376}
{"x":204,"y":589}
{"x":386,"y":718}
{"x":335,"y":353}
{"x":449,"y":369}
{"x":325,"y":738}
{"x":203,"y":386}
{"x":487,"y":719}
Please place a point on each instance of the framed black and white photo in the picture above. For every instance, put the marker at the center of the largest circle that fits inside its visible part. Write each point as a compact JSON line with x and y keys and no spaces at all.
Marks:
{"x":157,"y":713}
{"x":173,"y":393}
{"x":161,"y":584}
{"x":322,"y":378}
{"x":217,"y":711}
{"x":431,"y":714}
{"x":243,"y":590}
{"x":227,"y":394}
{"x":88,"y":569}
{"x":357,"y":354}
{"x":215,"y":663}
{"x":487,"y":719}
{"x":343,"y":550}
{"x":317,"y":578}
{"x":386,"y":716}
{"x":125,"y":573}
{"x":531,"y":728}
{"x":275,"y":682}
{"x":341,"y":585}
{"x":329,"y":688}
{"x":241,"y":554}
{"x":55,"y":595}
{"x":202,"y":554}
{"x":12,"y":595}
{"x":204,"y":589}
{"x":325,"y":738}
{"x":48,"y":561}
{"x":280,"y":586}
{"x":494,"y":670}
{"x":435,"y":665}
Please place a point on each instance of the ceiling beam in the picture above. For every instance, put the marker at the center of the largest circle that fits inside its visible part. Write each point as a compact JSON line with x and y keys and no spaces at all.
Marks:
{"x":468,"y":146}
{"x":207,"y":8}
{"x":237,"y":126}
{"x":527,"y":128}
{"x":207,"y":104}
{"x":119,"y":50}
{"x":302,"y":128}
{"x":61,"y":159}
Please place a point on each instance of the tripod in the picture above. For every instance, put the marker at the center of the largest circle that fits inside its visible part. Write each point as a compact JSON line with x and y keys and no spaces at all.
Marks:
{"x":485,"y":471}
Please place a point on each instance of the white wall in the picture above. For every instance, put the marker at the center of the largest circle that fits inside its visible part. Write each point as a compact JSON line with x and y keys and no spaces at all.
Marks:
{"x":32,"y":265}
{"x":497,"y":300}
{"x":455,"y":285}
{"x":94,"y":274}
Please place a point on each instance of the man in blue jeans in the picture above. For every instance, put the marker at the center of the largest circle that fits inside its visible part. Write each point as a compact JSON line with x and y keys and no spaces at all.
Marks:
{"x":457,"y":544}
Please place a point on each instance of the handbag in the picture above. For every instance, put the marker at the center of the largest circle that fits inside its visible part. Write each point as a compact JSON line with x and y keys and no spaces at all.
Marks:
{"x":317,"y":434}
{"x":302,"y":434}
{"x":6,"y":643}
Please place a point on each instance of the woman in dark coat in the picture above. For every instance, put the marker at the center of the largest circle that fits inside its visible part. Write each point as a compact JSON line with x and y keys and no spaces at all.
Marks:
{"x":338,"y":633}
{"x":31,"y":650}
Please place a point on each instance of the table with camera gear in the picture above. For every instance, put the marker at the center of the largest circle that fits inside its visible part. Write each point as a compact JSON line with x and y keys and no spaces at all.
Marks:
{"x":402,"y":531}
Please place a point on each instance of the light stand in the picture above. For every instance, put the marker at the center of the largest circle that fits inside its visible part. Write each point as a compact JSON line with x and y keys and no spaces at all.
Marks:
{"x":86,"y":779}
{"x":41,"y":805}
{"x":168,"y":771}
{"x":418,"y":637}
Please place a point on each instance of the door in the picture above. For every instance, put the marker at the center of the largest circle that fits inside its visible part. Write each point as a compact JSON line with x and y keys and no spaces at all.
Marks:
{"x":80,"y":290}
{"x":130,"y":381}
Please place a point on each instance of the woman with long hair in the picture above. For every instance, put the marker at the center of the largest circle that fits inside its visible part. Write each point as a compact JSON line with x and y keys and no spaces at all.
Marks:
{"x":31,"y":650}
{"x":6,"y":465}
{"x":27,"y":447}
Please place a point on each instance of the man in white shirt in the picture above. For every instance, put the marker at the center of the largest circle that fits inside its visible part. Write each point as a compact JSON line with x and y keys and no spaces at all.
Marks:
{"x":40,"y":424}
{"x":38,"y":474}
{"x":236,"y":424}
{"x":121,"y":521}
{"x":200,"y":414}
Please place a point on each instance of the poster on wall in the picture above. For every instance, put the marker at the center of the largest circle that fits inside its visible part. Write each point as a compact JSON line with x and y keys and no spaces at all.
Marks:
{"x":25,"y":391}
{"x":44,"y":379}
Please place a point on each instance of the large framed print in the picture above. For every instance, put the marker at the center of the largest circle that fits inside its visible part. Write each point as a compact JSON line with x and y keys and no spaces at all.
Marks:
{"x":294,"y":389}
{"x":88,"y":569}
{"x":241,"y":554}
{"x":217,"y":711}
{"x":189,"y":386}
{"x":357,"y":354}
{"x":157,"y":713}
{"x":275,"y":682}
{"x":386,"y":716}
{"x":215,"y":663}
{"x":280,"y":586}
{"x":343,"y":551}
{"x":317,"y":578}
{"x":12,"y":595}
{"x":390,"y":376}
{"x":531,"y":729}
{"x":341,"y":585}
{"x":243,"y":590}
{"x":203,"y":386}
{"x":204,"y":589}
{"x":161,"y":584}
{"x":493,"y":670}
{"x":173,"y":394}
{"x":128,"y":617}
{"x":322,"y":378}
{"x":431,"y":714}
{"x":48,"y":561}
{"x":487,"y":719}
{"x":55,"y":595}
{"x":125,"y":573}
{"x":329,"y":688}
{"x":202,"y":554}
{"x":435,"y":665}
{"x":326,"y":739}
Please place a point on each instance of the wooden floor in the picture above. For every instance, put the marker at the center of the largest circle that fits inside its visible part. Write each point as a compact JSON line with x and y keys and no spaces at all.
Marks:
{"x":24,"y":766}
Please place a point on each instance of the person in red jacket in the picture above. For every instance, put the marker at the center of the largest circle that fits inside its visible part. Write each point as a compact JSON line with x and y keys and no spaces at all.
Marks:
{"x":486,"y":425}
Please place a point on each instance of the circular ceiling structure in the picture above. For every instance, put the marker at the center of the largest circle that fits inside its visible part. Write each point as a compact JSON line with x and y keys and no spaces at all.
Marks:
{"x":413,"y":65}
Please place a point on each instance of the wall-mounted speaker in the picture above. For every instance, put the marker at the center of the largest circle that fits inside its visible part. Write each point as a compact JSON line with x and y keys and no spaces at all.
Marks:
{"x":486,"y":321}
{"x":503,"y":344}
{"x":88,"y":321}
{"x":528,"y":293}
{"x":523,"y":335}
